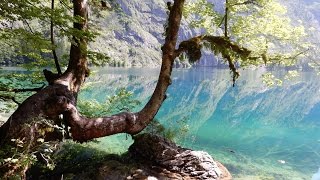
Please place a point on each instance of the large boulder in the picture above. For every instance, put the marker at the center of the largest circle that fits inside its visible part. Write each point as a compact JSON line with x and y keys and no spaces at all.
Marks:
{"x":175,"y":161}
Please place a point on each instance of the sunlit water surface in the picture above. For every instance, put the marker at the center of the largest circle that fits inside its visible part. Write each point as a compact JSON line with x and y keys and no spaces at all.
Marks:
{"x":258,"y":132}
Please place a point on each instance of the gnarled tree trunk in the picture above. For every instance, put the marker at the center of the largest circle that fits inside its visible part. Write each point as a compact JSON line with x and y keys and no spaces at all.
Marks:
{"x":61,"y":95}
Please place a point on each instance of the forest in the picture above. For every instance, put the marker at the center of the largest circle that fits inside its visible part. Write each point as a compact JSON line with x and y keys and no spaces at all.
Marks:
{"x":57,"y":101}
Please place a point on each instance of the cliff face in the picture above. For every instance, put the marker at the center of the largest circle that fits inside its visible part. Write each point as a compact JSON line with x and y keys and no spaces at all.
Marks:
{"x":132,"y":32}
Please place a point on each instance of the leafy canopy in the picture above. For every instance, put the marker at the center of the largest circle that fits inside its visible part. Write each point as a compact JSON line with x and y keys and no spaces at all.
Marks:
{"x":262,"y":27}
{"x":25,"y":37}
{"x":25,"y":32}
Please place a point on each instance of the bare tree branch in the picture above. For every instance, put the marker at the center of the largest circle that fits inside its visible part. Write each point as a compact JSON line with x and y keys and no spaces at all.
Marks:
{"x":7,"y":97}
{"x":246,"y":2}
{"x":26,"y":22}
{"x":232,"y":67}
{"x":55,"y":57}
{"x":23,"y":90}
{"x":84,"y":129}
{"x":226,"y":19}
{"x":66,"y":5}
{"x":222,"y":20}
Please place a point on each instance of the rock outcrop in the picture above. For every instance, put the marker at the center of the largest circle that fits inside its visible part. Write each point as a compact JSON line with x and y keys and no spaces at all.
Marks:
{"x":160,"y":158}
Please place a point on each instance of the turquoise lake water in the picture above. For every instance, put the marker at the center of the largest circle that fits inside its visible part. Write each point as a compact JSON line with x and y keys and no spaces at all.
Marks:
{"x":258,"y":132}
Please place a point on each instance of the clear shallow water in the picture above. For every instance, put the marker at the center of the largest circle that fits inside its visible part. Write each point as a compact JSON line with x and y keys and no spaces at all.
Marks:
{"x":258,"y":132}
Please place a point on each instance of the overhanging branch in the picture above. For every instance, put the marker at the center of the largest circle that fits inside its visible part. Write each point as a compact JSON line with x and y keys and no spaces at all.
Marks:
{"x":84,"y":129}
{"x":219,"y":45}
{"x":233,"y":69}
{"x":246,"y":3}
{"x":23,"y":90}
{"x":218,"y":41}
{"x":12,"y":98}
{"x":55,"y":57}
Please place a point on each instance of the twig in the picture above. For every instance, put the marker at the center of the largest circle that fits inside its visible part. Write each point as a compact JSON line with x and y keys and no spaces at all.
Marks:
{"x":4,"y":97}
{"x":226,"y":20}
{"x":235,"y":73}
{"x":24,"y":90}
{"x":55,"y":57}
{"x":247,"y":2}
{"x":26,"y":22}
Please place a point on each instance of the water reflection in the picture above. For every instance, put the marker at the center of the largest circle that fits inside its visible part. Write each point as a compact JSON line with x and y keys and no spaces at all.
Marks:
{"x":258,"y":131}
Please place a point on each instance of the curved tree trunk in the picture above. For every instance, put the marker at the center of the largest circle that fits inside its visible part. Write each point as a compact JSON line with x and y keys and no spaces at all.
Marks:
{"x":60,"y":97}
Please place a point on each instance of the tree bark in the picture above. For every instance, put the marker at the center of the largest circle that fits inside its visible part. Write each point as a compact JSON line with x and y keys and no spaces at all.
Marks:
{"x":77,"y":69}
{"x":60,"y":97}
{"x":84,"y":129}
{"x":226,"y":19}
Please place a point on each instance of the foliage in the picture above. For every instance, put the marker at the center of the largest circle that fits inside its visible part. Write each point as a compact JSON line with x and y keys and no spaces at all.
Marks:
{"x":25,"y":25}
{"x":25,"y":37}
{"x":13,"y":160}
{"x":12,"y":86}
{"x":269,"y":79}
{"x":122,"y":101}
{"x":174,"y":130}
{"x":204,"y":16}
{"x":17,"y":156}
{"x":82,"y":161}
{"x":261,"y":27}
{"x":177,"y":130}
{"x":74,"y":158}
{"x":98,"y":59}
{"x":24,"y":32}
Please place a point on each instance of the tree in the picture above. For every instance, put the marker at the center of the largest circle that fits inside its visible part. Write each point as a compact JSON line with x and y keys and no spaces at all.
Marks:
{"x":60,"y":96}
{"x":64,"y":89}
{"x":248,"y":33}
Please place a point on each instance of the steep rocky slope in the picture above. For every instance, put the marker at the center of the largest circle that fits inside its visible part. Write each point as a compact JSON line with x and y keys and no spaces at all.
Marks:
{"x":132,"y":33}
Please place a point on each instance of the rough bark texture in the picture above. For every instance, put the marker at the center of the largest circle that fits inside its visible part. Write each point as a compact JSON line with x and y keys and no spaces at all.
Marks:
{"x":84,"y":129}
{"x":60,"y":97}
{"x":78,"y":66}
{"x":47,"y":103}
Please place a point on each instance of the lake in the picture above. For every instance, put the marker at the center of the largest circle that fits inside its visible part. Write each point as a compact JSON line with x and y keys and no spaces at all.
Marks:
{"x":258,"y":132}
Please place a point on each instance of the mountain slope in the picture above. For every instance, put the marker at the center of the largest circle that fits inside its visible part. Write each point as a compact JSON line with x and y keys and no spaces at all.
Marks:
{"x":133,"y":31}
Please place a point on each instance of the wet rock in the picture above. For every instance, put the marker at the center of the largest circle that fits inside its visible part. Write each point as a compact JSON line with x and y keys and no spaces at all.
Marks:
{"x":177,"y":160}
